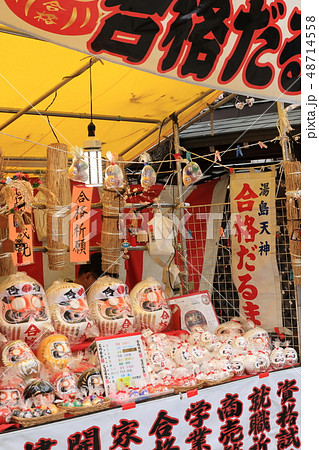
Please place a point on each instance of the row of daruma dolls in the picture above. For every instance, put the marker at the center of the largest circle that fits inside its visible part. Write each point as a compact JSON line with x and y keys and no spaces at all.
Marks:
{"x":29,"y":313}
{"x":38,"y":329}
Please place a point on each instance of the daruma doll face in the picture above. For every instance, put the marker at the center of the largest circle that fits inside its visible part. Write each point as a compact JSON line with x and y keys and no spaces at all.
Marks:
{"x":24,"y":312}
{"x":54,"y":351}
{"x":150,"y":305}
{"x":110,"y":306}
{"x":69,"y":311}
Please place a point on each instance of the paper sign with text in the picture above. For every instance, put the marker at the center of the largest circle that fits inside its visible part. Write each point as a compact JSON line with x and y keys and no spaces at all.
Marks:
{"x":80,"y":223}
{"x":253,"y":243}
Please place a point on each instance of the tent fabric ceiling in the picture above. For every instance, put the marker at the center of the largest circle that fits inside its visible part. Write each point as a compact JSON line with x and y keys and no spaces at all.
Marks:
{"x":31,"y":67}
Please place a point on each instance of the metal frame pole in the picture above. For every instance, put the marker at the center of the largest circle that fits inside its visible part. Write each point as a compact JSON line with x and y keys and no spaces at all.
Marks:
{"x":179,"y":202}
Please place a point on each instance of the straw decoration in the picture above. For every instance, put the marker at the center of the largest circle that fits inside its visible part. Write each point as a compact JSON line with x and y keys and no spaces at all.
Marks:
{"x":293,"y":206}
{"x":59,"y":188}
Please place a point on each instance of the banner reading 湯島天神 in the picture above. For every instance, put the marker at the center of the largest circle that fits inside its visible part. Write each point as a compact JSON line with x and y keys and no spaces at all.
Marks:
{"x":253,"y":244}
{"x":251,"y":47}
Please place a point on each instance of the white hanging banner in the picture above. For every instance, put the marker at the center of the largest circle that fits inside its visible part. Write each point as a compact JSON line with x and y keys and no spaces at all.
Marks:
{"x":251,"y":413}
{"x":253,"y":242}
{"x":251,"y":47}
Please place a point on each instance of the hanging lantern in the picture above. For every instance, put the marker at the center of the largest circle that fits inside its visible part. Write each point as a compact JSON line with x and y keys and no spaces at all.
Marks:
{"x":93,"y":158}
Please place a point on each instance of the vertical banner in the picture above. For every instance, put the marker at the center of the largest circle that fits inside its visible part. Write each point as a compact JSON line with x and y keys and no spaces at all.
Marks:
{"x":23,"y":246}
{"x":254,"y":266}
{"x":20,"y":233}
{"x":80,"y":224}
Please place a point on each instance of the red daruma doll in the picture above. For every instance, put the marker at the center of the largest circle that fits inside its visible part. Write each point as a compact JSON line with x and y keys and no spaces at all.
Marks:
{"x":70,"y":312}
{"x":24,"y":312}
{"x":150,"y":305}
{"x":110,"y":306}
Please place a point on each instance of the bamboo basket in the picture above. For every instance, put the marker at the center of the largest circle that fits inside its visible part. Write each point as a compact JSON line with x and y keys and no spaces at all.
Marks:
{"x":293,"y":207}
{"x":32,"y":421}
{"x":182,"y":389}
{"x":57,"y":224}
{"x":112,"y":204}
{"x":208,"y":383}
{"x":80,"y":410}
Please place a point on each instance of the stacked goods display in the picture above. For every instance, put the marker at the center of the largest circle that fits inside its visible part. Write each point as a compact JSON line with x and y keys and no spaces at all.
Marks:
{"x":52,"y":364}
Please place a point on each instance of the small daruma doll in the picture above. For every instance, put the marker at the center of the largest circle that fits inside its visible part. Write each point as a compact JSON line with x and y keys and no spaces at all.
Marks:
{"x":150,"y":306}
{"x":70,"y":312}
{"x":110,"y":306}
{"x":54,"y":351}
{"x":228,"y":331}
{"x":18,"y":356}
{"x":24,"y":311}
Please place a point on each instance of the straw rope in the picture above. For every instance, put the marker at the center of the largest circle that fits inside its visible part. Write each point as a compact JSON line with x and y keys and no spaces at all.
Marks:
{"x":293,"y":205}
{"x":57,"y":191}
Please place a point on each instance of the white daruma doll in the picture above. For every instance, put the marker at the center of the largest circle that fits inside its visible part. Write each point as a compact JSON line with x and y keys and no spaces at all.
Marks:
{"x":150,"y":305}
{"x":110,"y":306}
{"x":228,"y":331}
{"x":24,"y":311}
{"x":70,"y":312}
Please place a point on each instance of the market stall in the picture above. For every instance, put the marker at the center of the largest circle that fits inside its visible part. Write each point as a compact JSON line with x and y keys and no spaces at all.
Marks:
{"x":193,"y":314}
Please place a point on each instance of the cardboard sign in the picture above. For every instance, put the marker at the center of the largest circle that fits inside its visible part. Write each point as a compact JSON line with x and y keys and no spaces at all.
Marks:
{"x":122,"y":360}
{"x":196,"y":310}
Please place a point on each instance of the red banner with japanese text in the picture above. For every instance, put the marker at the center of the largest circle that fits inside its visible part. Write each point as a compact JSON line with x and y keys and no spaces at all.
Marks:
{"x":253,"y":241}
{"x":251,"y":47}
{"x":80,"y":223}
{"x":259,"y":412}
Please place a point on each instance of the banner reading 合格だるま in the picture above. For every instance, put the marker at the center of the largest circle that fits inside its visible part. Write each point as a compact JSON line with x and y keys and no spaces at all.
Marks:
{"x":254,"y":266}
{"x":251,"y":47}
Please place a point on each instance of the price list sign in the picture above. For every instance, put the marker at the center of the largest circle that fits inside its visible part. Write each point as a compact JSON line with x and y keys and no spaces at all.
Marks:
{"x":123,"y":361}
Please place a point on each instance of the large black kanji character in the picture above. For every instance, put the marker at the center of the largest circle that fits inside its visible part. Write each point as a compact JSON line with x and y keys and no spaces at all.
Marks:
{"x":290,"y":75}
{"x":126,"y":36}
{"x":247,"y":23}
{"x":178,"y":31}
{"x":207,"y":38}
{"x":261,"y":75}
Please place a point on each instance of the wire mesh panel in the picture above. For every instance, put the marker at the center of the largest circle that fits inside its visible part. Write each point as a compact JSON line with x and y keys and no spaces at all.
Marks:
{"x":218,"y":275}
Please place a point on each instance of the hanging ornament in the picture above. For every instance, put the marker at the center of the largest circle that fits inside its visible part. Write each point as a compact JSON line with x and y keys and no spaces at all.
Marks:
{"x":262,"y":145}
{"x":78,"y":171}
{"x":239,"y":105}
{"x":217,"y":156}
{"x":250,"y":101}
{"x":114,"y":177}
{"x":239,"y":151}
{"x":148,"y":175}
{"x":191,"y":172}
{"x":125,"y":245}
